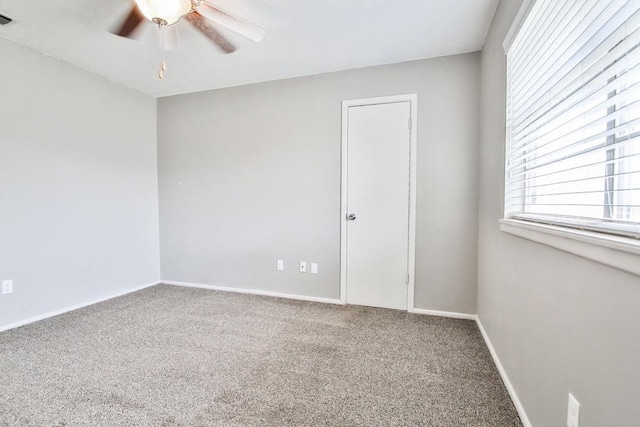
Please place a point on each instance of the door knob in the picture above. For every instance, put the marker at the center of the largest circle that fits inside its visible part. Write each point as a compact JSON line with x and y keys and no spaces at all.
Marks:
{"x":351,"y":217}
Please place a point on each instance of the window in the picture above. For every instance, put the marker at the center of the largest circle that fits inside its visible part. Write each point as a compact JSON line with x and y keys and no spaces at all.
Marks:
{"x":573,"y":116}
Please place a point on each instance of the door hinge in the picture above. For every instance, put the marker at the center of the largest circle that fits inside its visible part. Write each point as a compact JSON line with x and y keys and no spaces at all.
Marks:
{"x":407,"y":278}
{"x":410,"y":123}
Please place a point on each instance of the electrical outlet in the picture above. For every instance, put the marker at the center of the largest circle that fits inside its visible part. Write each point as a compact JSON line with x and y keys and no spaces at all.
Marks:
{"x":314,"y":268}
{"x":280,"y":265}
{"x":573,"y":412}
{"x":7,"y":286}
{"x":303,"y":267}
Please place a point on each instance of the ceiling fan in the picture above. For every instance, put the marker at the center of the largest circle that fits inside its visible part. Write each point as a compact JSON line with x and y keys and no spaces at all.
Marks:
{"x":203,"y":15}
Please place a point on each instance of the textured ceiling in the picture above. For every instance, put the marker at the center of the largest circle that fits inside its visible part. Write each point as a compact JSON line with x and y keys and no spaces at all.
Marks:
{"x":304,"y":37}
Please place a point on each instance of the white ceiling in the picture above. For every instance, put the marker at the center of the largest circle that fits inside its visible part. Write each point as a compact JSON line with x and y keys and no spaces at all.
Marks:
{"x":304,"y":37}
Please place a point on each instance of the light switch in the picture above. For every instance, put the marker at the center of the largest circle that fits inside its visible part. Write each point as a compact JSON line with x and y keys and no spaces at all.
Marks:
{"x":280,"y":265}
{"x":314,"y":268}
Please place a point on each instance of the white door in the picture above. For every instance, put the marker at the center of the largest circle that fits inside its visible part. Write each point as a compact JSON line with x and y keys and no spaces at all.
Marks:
{"x":377,"y":204}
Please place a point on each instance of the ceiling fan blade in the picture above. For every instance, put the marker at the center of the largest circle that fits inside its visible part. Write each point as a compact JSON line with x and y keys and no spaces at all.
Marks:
{"x":207,"y":28}
{"x":232,"y":22}
{"x":131,"y":22}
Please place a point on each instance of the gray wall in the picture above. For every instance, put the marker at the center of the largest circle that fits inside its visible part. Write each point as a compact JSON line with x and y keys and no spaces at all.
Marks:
{"x":78,"y":185}
{"x":252,"y":174}
{"x":559,"y":323}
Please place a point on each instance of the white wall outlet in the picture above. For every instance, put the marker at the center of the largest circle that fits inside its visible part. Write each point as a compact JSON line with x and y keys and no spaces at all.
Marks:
{"x":303,"y":267}
{"x":314,"y":268}
{"x":7,"y":286}
{"x":280,"y":265}
{"x":573,"y":412}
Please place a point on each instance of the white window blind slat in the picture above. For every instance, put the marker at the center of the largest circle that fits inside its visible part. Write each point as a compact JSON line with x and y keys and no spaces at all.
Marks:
{"x":573,"y":106}
{"x":563,"y":46}
{"x":569,"y":186}
{"x":554,"y":17}
{"x":583,"y":42}
{"x":593,"y":144}
{"x":571,"y":29}
{"x":591,"y":75}
{"x":572,"y":195}
{"x":560,"y":174}
{"x":538,"y":14}
{"x":573,"y":116}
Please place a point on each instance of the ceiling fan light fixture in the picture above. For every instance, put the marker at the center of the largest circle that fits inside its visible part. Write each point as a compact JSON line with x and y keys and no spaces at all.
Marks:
{"x":165,"y":12}
{"x":201,"y":14}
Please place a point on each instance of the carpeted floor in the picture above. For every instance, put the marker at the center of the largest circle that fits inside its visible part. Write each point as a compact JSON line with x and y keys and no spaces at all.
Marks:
{"x":171,"y":356}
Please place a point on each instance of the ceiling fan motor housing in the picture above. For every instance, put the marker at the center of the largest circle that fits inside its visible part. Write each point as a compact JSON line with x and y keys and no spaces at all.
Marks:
{"x":164,"y":12}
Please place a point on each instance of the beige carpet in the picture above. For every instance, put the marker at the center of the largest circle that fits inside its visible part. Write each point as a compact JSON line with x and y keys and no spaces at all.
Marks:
{"x":170,"y":356}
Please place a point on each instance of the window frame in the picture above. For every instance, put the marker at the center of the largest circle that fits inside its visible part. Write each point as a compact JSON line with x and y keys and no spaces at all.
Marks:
{"x":620,"y":252}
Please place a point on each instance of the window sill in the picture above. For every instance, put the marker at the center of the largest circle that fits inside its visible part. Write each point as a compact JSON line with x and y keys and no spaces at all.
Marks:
{"x":619,"y":252}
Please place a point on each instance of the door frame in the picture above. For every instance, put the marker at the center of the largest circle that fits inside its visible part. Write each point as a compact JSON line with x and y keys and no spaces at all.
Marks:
{"x":413,"y":163}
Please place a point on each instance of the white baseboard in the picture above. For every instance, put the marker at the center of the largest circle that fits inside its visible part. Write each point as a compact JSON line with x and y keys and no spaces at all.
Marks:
{"x":73,"y":307}
{"x":451,"y":314}
{"x":254,"y":292}
{"x":505,"y":377}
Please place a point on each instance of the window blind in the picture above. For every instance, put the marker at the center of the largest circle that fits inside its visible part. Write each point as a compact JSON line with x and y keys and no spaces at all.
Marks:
{"x":573,"y":116}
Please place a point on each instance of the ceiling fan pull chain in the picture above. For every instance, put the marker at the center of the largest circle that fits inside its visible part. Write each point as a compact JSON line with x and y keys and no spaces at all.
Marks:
{"x":163,"y":64}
